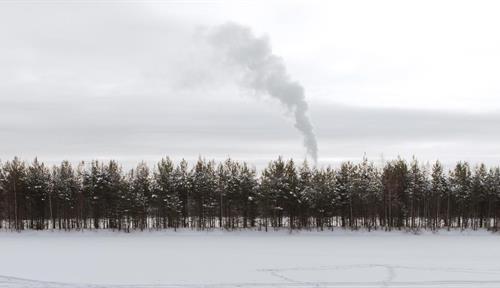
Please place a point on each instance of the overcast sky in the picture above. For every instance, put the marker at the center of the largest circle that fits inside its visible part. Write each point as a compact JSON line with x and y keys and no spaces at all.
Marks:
{"x":134,"y":80}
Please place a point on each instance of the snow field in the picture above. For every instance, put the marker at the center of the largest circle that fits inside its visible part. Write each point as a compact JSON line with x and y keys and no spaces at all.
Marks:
{"x":249,"y":259}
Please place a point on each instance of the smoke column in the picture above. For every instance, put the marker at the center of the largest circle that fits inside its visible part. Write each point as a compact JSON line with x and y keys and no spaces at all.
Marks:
{"x":264,"y":72}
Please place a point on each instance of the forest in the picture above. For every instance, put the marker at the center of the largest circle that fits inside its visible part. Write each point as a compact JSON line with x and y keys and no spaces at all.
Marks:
{"x":233,"y":195}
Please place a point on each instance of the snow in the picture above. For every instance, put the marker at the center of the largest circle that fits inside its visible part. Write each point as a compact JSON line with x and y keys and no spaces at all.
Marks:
{"x":249,"y":259}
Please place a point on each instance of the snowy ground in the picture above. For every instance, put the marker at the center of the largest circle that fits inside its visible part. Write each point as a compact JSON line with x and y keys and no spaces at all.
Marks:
{"x":249,"y":259}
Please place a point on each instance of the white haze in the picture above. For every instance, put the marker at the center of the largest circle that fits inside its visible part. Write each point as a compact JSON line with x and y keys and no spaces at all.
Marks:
{"x":137,"y":81}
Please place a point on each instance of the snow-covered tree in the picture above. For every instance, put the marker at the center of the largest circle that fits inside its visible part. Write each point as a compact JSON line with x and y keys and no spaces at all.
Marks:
{"x":38,"y":198}
{"x":167,"y":203}
{"x":460,"y":184}
{"x":345,"y":192}
{"x":13,"y":189}
{"x":441,"y":194}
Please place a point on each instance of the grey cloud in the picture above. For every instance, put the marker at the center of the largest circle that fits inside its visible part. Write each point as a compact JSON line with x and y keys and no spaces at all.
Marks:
{"x":356,"y":123}
{"x":144,"y":126}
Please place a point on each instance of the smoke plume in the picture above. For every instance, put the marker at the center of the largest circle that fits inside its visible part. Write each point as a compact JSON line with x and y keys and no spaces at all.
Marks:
{"x":264,"y":72}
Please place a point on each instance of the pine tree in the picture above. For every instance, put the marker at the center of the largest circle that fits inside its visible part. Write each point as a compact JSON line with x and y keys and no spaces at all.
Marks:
{"x":13,"y":188}
{"x":93,"y":191}
{"x":290,"y":196}
{"x":272,"y":192}
{"x":114,"y":191}
{"x":494,"y":196}
{"x":395,"y":182}
{"x":479,"y":194}
{"x":203,"y":185}
{"x":367,"y":190}
{"x":225,"y":190}
{"x":322,"y":197}
{"x":460,"y":183}
{"x":416,"y":192}
{"x":344,"y":192}
{"x":37,"y":194}
{"x":65,"y":189}
{"x":141,"y":195}
{"x":305,"y":191}
{"x":168,"y":202}
{"x":247,"y":195}
{"x":440,"y":190}
{"x":182,"y":187}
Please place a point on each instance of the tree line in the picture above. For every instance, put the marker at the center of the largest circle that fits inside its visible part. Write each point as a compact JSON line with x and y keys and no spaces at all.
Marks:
{"x":232,"y":195}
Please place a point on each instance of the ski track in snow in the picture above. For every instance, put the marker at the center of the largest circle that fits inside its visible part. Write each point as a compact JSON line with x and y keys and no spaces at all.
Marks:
{"x":284,"y":280}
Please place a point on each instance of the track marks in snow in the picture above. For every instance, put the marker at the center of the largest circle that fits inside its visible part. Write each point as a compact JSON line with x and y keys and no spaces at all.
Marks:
{"x":285,"y":278}
{"x":388,"y":280}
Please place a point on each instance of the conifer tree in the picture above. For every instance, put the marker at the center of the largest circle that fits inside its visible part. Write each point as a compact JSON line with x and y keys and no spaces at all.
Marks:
{"x":37,"y":194}
{"x":441,"y":195}
{"x":344,"y":191}
{"x":168,"y":204}
{"x":13,"y":188}
{"x":460,"y":184}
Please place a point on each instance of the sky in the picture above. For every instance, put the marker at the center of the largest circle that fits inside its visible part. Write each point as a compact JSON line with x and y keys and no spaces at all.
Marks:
{"x":137,"y":80}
